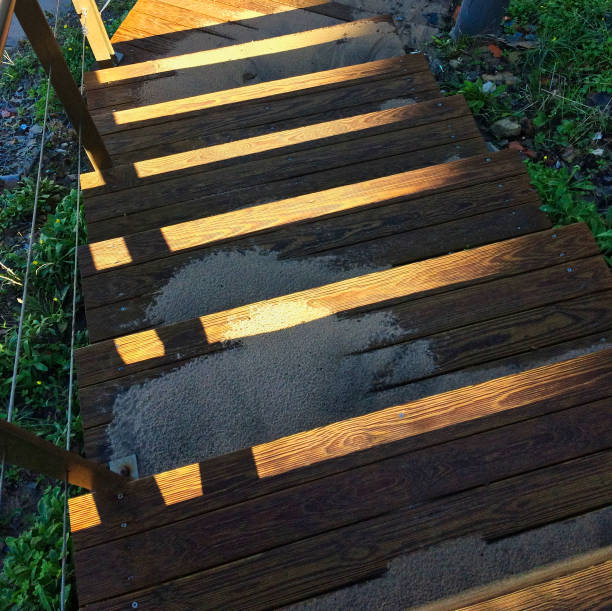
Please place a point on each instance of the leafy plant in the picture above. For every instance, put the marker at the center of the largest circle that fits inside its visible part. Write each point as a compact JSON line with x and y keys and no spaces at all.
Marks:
{"x":482,"y":102}
{"x":17,"y":205}
{"x":564,"y":196}
{"x":32,"y":568}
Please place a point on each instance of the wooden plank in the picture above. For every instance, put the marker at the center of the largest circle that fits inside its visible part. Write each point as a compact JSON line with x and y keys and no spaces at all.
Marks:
{"x":349,"y":90}
{"x":452,"y":111}
{"x":587,"y":575}
{"x":164,"y":345}
{"x":283,"y":87}
{"x":440,"y":312}
{"x":589,"y":588}
{"x":155,"y":142}
{"x":273,"y":170}
{"x":340,"y":557}
{"x":189,"y":185}
{"x":221,"y":201}
{"x":299,"y":40}
{"x":336,"y":218}
{"x":34,"y":24}
{"x":97,"y":37}
{"x":384,"y":487}
{"x":482,"y":342}
{"x":331,"y":78}
{"x":310,"y":455}
{"x":143,"y":281}
{"x":24,"y":449}
{"x":104,"y":101}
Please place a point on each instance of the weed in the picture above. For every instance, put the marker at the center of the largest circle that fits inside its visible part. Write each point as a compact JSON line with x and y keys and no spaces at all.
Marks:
{"x":564,"y":196}
{"x":32,"y":569}
{"x":489,"y":104}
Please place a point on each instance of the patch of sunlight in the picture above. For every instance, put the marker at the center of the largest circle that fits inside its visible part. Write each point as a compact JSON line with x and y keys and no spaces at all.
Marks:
{"x":180,"y":484}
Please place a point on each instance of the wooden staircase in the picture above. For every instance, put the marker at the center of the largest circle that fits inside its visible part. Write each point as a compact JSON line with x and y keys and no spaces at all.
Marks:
{"x":291,"y":191}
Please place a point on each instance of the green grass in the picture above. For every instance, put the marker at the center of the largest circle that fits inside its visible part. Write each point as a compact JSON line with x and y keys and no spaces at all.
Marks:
{"x":572,"y":61}
{"x":32,"y":563}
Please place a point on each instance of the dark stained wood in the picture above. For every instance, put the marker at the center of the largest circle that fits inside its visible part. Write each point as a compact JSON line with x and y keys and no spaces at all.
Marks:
{"x":97,"y":444}
{"x":566,"y":490}
{"x":332,"y":164}
{"x":224,"y":200}
{"x":581,"y":582}
{"x":337,"y":218}
{"x":126,"y":94}
{"x":141,"y":351}
{"x":36,"y":28}
{"x":397,"y":249}
{"x":515,"y":333}
{"x":24,"y":449}
{"x":360,"y":441}
{"x":441,"y":312}
{"x":584,"y":590}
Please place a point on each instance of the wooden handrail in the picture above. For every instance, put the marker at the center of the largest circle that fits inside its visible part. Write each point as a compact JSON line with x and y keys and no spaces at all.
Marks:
{"x":7,"y":8}
{"x":45,"y":46}
{"x":24,"y":449}
{"x":97,"y":37}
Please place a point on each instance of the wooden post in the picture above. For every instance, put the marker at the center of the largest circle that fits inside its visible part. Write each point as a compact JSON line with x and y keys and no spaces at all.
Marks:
{"x":41,"y":37}
{"x":479,"y":17}
{"x":29,"y":451}
{"x":97,"y":37}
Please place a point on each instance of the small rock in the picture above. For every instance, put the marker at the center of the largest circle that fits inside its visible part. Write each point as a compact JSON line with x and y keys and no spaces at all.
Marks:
{"x":491,"y":147}
{"x":505,"y":128}
{"x":498,"y":77}
{"x":602,"y":100}
{"x":569,"y":154}
{"x":489,"y":87}
{"x":598,"y":152}
{"x":455,"y":63}
{"x":35,"y":130}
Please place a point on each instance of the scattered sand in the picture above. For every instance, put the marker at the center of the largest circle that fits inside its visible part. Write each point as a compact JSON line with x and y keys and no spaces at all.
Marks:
{"x":269,"y":385}
{"x":230,"y":278}
{"x":453,"y":566}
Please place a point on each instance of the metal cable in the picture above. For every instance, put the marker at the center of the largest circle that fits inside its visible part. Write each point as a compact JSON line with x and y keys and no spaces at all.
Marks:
{"x":73,"y":328}
{"x":24,"y":294}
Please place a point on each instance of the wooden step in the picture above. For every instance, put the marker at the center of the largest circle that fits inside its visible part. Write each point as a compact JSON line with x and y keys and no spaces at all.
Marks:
{"x":140,"y":351}
{"x":389,"y":221}
{"x":405,"y":77}
{"x":582,"y":582}
{"x":289,"y":138}
{"x":346,"y":555}
{"x":528,"y":410}
{"x":436,"y":314}
{"x":311,"y":455}
{"x":191,"y":77}
{"x":446,"y":141}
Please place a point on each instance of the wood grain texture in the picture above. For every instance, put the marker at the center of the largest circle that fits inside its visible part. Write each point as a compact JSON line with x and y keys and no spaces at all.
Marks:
{"x":223,"y":200}
{"x":568,"y":584}
{"x":141,"y":351}
{"x":438,"y":313}
{"x":429,"y":197}
{"x":29,"y":451}
{"x":359,"y":441}
{"x":341,"y":31}
{"x":131,"y":313}
{"x":281,"y":141}
{"x":259,"y":92}
{"x":345,"y":554}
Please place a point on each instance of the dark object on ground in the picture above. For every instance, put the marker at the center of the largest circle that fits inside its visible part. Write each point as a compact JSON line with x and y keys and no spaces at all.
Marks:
{"x":479,"y":17}
{"x":602,"y":100}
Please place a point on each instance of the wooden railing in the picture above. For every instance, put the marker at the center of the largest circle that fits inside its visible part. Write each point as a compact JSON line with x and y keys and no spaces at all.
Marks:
{"x":40,"y":35}
{"x":18,"y":446}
